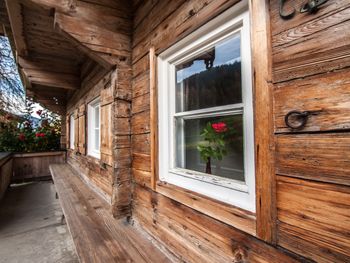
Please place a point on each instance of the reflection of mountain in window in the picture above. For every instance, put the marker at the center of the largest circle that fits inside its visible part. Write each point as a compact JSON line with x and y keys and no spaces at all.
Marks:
{"x":221,"y":85}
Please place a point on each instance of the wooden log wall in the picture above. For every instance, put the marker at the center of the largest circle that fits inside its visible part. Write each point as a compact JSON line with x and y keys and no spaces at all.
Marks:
{"x":89,"y":168}
{"x":109,"y":176}
{"x":193,"y":235}
{"x":311,"y":59}
{"x":35,"y":166}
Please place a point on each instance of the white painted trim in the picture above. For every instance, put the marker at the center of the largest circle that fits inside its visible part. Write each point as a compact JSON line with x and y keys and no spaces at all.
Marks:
{"x":91,"y":128}
{"x":240,"y":194}
{"x":71,"y":132}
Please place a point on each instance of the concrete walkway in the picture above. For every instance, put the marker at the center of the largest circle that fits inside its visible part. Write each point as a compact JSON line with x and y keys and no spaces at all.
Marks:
{"x":31,"y":228}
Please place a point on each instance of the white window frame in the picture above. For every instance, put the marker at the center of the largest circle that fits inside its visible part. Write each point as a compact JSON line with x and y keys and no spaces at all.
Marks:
{"x":71,"y":132}
{"x":240,"y":194}
{"x":92,"y":150}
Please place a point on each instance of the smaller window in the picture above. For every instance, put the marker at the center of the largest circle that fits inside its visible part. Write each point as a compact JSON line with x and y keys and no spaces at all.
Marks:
{"x":94,"y":128}
{"x":71,"y":131}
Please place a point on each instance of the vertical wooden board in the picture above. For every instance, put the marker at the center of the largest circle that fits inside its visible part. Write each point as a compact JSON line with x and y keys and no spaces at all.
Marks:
{"x":76,"y":131}
{"x":82,"y":129}
{"x":316,"y":214}
{"x":107,"y":134}
{"x":67,"y":131}
{"x":321,"y":157}
{"x":263,"y":122}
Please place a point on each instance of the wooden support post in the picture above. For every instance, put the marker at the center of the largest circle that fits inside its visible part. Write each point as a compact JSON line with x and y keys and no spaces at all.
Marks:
{"x":264,"y":131}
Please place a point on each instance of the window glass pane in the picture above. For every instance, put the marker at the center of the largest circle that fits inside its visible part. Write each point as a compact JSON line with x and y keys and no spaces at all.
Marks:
{"x":212,"y":78}
{"x":211,"y":145}
{"x":97,"y":117}
{"x":97,"y":139}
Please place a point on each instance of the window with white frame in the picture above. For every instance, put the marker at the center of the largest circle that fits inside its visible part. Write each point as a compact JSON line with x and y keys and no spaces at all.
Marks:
{"x":206,"y":135}
{"x":71,"y":131}
{"x":94,"y":128}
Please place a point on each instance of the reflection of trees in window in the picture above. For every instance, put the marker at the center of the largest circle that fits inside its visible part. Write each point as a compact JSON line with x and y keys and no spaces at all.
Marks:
{"x":220,"y":85}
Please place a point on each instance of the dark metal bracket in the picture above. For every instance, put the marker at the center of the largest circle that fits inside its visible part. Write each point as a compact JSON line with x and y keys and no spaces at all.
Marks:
{"x":284,"y":15}
{"x":312,"y":6}
{"x":302,"y":117}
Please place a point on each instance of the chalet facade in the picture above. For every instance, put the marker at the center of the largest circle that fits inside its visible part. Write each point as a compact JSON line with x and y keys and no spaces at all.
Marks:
{"x":217,"y":127}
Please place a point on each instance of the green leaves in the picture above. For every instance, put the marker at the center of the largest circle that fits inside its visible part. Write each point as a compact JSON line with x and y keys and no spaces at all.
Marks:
{"x":214,"y":145}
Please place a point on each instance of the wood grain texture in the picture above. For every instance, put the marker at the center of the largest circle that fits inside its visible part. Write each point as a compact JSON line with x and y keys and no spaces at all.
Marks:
{"x":82,"y":129}
{"x":263,"y":122}
{"x":6,"y":172}
{"x":233,"y":216}
{"x":327,"y":95}
{"x":97,"y":236}
{"x":32,"y":166}
{"x":319,"y":157}
{"x":309,"y":45}
{"x":314,"y":219}
{"x":196,"y":237}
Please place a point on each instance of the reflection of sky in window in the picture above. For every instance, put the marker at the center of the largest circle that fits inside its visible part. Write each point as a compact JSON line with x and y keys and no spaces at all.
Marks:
{"x":226,"y":52}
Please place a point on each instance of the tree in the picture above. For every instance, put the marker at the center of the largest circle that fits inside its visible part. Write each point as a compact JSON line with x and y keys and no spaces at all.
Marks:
{"x":12,"y":95}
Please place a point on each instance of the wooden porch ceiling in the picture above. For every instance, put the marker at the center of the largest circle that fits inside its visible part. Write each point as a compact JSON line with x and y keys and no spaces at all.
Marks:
{"x":53,"y":39}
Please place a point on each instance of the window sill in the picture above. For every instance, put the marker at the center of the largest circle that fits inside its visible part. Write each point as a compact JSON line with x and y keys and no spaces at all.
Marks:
{"x":231,"y":215}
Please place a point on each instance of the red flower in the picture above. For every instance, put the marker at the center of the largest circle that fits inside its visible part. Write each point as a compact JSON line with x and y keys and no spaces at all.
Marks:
{"x":39,"y":112}
{"x":21,"y":137}
{"x":39,"y":134}
{"x":219,"y":127}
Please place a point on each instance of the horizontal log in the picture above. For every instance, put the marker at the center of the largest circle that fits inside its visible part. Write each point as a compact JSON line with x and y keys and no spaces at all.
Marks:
{"x":140,"y":123}
{"x":319,"y":215}
{"x":52,"y":79}
{"x":320,"y":157}
{"x":230,"y":215}
{"x":328,"y":95}
{"x":196,"y":237}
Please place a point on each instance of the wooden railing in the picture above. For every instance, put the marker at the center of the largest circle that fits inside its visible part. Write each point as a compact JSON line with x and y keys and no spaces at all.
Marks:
{"x":5,"y":172}
{"x":35,"y":166}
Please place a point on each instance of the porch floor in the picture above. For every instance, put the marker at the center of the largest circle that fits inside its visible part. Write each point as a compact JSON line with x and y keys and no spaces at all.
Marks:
{"x":31,"y":228}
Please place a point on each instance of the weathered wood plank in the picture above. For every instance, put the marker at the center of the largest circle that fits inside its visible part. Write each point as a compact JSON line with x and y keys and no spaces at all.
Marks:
{"x":317,"y":215}
{"x":196,"y":237}
{"x":327,"y":95}
{"x":263,"y":122}
{"x":232,"y":216}
{"x":311,"y":45}
{"x":320,"y":157}
{"x":97,"y":236}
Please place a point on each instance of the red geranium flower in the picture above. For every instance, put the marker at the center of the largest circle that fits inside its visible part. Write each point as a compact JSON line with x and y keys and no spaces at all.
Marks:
{"x":219,"y":127}
{"x":21,"y":137}
{"x":40,"y":134}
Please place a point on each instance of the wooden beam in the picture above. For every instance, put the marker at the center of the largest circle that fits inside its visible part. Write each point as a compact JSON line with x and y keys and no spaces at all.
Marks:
{"x":93,"y":40}
{"x":52,"y":79}
{"x":48,"y":63}
{"x":263,"y":123}
{"x":84,"y":49}
{"x":16,"y":20}
{"x":61,"y":5}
